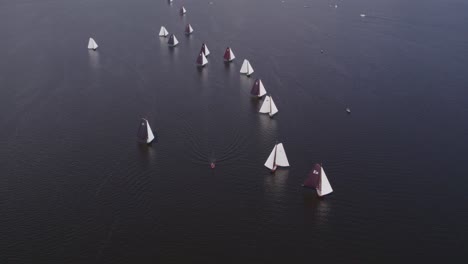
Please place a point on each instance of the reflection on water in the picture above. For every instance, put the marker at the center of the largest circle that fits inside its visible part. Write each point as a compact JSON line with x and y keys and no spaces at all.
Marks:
{"x":147,"y":152}
{"x":316,"y":209}
{"x":268,"y":129}
{"x":94,"y":59}
{"x":203,"y":73}
{"x":276,"y":182}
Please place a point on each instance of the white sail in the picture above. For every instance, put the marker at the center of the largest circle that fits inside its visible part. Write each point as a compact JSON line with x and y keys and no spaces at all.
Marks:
{"x":250,"y":69}
{"x":244,"y":67}
{"x":150,"y":133}
{"x":175,"y":41}
{"x":92,"y":44}
{"x":163,"y":32}
{"x":262,"y":90}
{"x":182,"y":10}
{"x":204,"y":60}
{"x":207,"y":52}
{"x":281,"y":159}
{"x":325,"y":187}
{"x":190,"y":28}
{"x":273,"y":109}
{"x":265,"y":108}
{"x":270,"y":162}
{"x":232,"y":54}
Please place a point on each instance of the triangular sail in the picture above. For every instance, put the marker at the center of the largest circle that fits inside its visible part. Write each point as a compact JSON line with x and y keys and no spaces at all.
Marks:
{"x":270,"y":162}
{"x":142,"y":131}
{"x":232,"y":54}
{"x":173,"y":40}
{"x":256,"y":88}
{"x":324,"y":187}
{"x":250,"y":69}
{"x":244,"y":68}
{"x":182,"y":10}
{"x":262,"y":90}
{"x":201,"y":60}
{"x":273,"y":109}
{"x":150,"y":133}
{"x":281,"y":159}
{"x":188,"y":29}
{"x":163,"y":32}
{"x":265,"y":108}
{"x":227,"y":54}
{"x":205,"y":49}
{"x":313,"y":178}
{"x":92,"y":44}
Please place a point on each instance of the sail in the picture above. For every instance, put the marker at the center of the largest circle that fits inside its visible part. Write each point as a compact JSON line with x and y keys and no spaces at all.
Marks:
{"x":205,"y":50}
{"x":232,"y":54}
{"x":173,"y":40}
{"x":273,"y":109}
{"x":313,"y":178}
{"x":256,"y":88}
{"x":262,"y":90}
{"x":227,"y":54}
{"x":250,"y":69}
{"x":324,"y":187}
{"x":182,"y":10}
{"x":92,"y":44}
{"x":281,"y":159}
{"x":265,"y":108}
{"x":163,"y":32}
{"x":188,"y":29}
{"x":244,"y":67}
{"x":270,"y":162}
{"x":150,"y":133}
{"x":201,"y":60}
{"x":142,"y":131}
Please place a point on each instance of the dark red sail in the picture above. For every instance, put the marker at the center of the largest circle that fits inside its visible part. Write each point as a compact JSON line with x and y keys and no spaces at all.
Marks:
{"x":313,"y":178}
{"x":187,"y":29}
{"x":255,"y":88}
{"x":200,"y":59}
{"x":142,"y":131}
{"x":227,"y":54}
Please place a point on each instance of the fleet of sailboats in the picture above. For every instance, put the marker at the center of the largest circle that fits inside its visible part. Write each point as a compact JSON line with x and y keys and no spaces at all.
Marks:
{"x":268,"y":106}
{"x":92,"y":44}
{"x":277,"y":158}
{"x":163,"y":32}
{"x":246,"y":68}
{"x":172,"y":41}
{"x":229,"y":55}
{"x":258,"y":89}
{"x":145,"y":134}
{"x":318,"y":180}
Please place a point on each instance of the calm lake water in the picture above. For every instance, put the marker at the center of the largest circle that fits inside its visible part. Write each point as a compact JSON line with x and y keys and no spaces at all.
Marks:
{"x":75,"y":187}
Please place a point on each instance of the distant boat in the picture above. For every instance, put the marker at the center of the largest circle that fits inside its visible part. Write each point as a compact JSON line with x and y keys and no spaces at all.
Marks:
{"x":318,"y":180}
{"x":145,"y":134}
{"x":172,"y":41}
{"x":258,"y":89}
{"x":92,"y":44}
{"x":363,"y":15}
{"x":201,"y":60}
{"x":163,"y":32}
{"x":246,"y":68}
{"x":205,"y":50}
{"x":277,"y":158}
{"x":182,"y":10}
{"x":188,"y":29}
{"x":212,"y":165}
{"x":268,"y":106}
{"x":229,"y":55}
{"x":348,"y":110}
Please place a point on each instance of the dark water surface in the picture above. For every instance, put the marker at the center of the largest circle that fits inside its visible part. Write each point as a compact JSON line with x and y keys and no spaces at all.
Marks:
{"x":75,"y":187}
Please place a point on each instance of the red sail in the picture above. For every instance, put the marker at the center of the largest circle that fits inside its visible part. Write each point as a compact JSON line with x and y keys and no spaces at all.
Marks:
{"x":313,"y":178}
{"x":187,"y":29}
{"x":203,"y":48}
{"x":227,"y":54}
{"x":200,"y":59}
{"x":255,"y":88}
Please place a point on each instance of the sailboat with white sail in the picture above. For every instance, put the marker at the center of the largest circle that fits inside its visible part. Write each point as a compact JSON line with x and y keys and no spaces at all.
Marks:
{"x":92,"y":45}
{"x":183,"y":10}
{"x":145,"y":134}
{"x":268,"y":106}
{"x":317,"y":179}
{"x":229,"y":55}
{"x":205,"y":50}
{"x":258,"y":89}
{"x":172,"y":41}
{"x":163,"y":32}
{"x":201,"y":59}
{"x":188,"y":29}
{"x":277,"y":158}
{"x":246,"y":68}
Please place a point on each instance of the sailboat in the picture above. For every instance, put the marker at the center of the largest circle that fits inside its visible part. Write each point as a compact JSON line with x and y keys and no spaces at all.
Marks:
{"x":172,"y":41}
{"x":163,"y":32}
{"x":188,"y":29}
{"x":201,"y":60}
{"x":229,"y":55}
{"x":205,"y":50}
{"x":277,"y":158}
{"x":258,"y":89}
{"x":182,"y":10}
{"x":268,"y":106}
{"x":145,"y":134}
{"x":92,"y":44}
{"x":246,"y":68}
{"x":318,"y":180}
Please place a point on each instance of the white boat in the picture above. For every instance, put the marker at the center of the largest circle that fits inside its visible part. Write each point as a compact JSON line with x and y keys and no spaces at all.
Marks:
{"x":268,"y":106}
{"x":188,"y":29}
{"x":201,"y":59}
{"x":145,"y":134}
{"x":229,"y":55}
{"x":246,"y":68}
{"x":205,"y":49}
{"x":163,"y":32}
{"x":172,"y":41}
{"x":92,"y":44}
{"x":258,"y":89}
{"x":318,"y":180}
{"x":277,"y":158}
{"x":363,"y":15}
{"x":183,"y":10}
